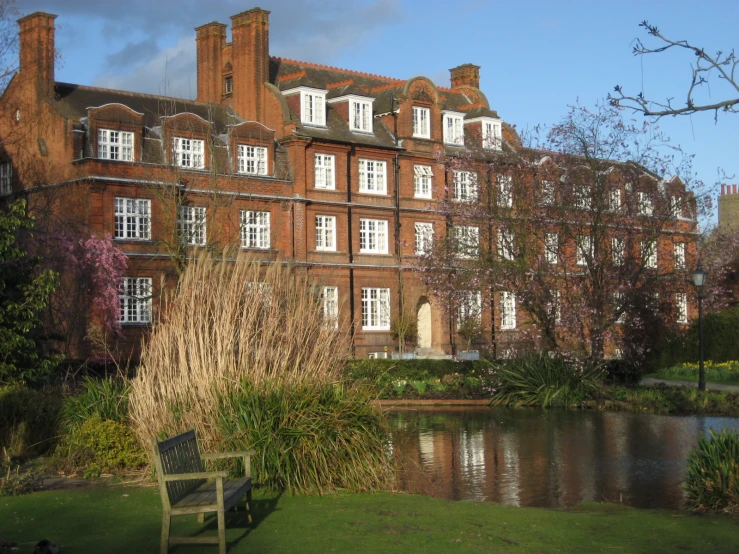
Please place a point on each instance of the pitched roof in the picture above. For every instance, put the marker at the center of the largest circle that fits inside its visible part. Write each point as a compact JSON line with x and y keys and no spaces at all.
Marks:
{"x":74,"y":100}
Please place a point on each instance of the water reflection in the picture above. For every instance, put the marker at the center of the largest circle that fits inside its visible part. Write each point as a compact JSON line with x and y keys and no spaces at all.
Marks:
{"x":546,"y":458}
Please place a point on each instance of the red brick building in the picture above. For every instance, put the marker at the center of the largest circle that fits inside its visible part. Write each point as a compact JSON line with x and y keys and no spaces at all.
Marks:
{"x":334,"y":170}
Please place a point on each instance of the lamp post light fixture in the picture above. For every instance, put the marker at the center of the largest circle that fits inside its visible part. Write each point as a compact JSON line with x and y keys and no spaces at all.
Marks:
{"x":699,"y":280}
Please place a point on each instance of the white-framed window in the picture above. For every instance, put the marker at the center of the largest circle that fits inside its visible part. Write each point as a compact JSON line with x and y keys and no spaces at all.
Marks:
{"x":505,"y":244}
{"x":375,"y":309}
{"x":507,"y":310}
{"x":581,"y":197}
{"x":467,"y":240}
{"x":422,"y":178}
{"x":465,"y":186}
{"x":618,"y":250}
{"x":326,"y":233}
{"x":373,"y":236}
{"x":360,"y":115}
{"x":255,"y":232}
{"x":453,"y":129}
{"x":228,"y":85}
{"x":191,"y":225}
{"x":619,"y":307}
{"x":584,"y":249}
{"x":551,"y":248}
{"x":681,"y":300}
{"x":676,"y":207}
{"x":617,"y":354}
{"x":325,"y":165}
{"x":644,"y":204}
{"x":372,"y":176}
{"x":313,"y":110}
{"x":424,"y":238}
{"x":6,"y":178}
{"x":252,"y":159}
{"x":132,"y":218}
{"x":548,"y":193}
{"x":614,"y":200}
{"x":504,"y":197}
{"x":115,"y":145}
{"x":134,"y":298}
{"x":555,"y":307}
{"x":189,"y":153}
{"x":469,"y":307}
{"x":680,"y":255}
{"x":421,"y":122}
{"x":330,"y":306}
{"x":649,"y":253}
{"x":491,"y":135}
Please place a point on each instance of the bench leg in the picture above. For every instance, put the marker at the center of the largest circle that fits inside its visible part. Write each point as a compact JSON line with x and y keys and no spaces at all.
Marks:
{"x":221,"y":531}
{"x":166,"y":521}
{"x":201,"y":517}
{"x":248,"y":506}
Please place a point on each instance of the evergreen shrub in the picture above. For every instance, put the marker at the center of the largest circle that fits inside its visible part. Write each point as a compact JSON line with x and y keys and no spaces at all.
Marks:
{"x":712,"y":482}
{"x":29,"y":420}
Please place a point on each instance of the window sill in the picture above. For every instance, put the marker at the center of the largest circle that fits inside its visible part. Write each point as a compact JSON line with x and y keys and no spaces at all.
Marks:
{"x":314,"y":125}
{"x":135,"y":323}
{"x":373,"y":193}
{"x":371,"y":329}
{"x":133,"y":241}
{"x":361,"y":132}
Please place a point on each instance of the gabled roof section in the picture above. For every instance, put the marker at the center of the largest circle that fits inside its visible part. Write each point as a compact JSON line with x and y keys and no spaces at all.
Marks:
{"x":73,"y":101}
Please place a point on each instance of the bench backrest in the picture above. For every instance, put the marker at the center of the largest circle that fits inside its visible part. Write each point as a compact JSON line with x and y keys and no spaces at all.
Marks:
{"x":180,"y":454}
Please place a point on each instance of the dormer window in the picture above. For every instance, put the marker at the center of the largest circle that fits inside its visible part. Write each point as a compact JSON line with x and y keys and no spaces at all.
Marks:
{"x":115,"y":145}
{"x":312,"y":105}
{"x":189,"y":153}
{"x":421,"y":126}
{"x":252,"y":160}
{"x":491,"y":135}
{"x":360,"y":115}
{"x":453,"y":128}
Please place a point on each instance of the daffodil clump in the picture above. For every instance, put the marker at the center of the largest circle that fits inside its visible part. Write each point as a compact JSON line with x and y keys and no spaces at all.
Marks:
{"x":719,"y":372}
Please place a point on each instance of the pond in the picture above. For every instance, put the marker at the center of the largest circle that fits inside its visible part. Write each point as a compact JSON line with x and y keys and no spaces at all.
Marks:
{"x":546,"y":458}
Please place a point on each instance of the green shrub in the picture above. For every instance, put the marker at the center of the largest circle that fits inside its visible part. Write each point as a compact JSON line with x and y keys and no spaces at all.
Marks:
{"x":727,"y":372}
{"x":720,"y":341}
{"x":713,"y":473}
{"x":542,"y":381}
{"x":15,"y":482}
{"x":419,"y":386}
{"x":101,"y":445}
{"x":106,"y":398}
{"x":309,"y":438}
{"x":29,"y":420}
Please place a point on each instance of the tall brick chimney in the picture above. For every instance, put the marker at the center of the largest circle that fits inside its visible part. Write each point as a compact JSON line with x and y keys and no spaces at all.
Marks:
{"x":467,"y":75}
{"x":211,"y":38}
{"x":37,"y":52}
{"x":250,"y":60}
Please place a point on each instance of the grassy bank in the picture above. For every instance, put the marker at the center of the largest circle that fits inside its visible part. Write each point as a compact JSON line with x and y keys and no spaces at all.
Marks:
{"x":116,"y":520}
{"x":724,"y":373}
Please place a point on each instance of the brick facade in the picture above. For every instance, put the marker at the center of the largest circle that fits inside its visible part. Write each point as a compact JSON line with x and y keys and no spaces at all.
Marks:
{"x":50,"y":133}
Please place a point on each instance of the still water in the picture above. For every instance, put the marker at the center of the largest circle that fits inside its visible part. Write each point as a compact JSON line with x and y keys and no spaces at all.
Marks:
{"x":546,"y":458}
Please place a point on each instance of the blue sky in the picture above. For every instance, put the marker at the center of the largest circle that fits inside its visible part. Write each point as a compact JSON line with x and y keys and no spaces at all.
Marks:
{"x":536,"y":57}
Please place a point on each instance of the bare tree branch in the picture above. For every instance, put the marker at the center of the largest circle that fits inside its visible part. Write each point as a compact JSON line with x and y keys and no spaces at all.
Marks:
{"x":706,"y":65}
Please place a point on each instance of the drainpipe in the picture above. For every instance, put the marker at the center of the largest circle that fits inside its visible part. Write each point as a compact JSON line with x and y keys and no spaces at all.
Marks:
{"x":350,"y":155}
{"x":396,"y":176}
{"x":448,"y":229}
{"x":490,"y":257}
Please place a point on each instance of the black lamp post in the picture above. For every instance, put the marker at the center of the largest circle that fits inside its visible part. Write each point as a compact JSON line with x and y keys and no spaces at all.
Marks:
{"x":699,"y":280}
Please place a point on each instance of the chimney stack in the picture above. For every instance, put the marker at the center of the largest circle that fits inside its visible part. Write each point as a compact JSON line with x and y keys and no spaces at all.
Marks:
{"x":211,"y":38}
{"x":467,"y":75}
{"x":37,"y":52}
{"x":250,"y":60}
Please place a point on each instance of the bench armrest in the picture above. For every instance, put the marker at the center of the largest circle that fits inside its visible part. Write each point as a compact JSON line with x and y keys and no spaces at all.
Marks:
{"x":220,"y":455}
{"x":197,"y":475}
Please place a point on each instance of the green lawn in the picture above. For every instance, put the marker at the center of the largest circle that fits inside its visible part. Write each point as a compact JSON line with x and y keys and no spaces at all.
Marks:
{"x":124,"y":520}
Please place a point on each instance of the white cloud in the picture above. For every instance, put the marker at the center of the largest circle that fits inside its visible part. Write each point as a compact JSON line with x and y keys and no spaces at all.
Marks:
{"x":171,"y":72}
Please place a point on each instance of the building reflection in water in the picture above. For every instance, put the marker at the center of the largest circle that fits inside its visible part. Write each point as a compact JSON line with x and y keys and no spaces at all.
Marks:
{"x":545,"y":458}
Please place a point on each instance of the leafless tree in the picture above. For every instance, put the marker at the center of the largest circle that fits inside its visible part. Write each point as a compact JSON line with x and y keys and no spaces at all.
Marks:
{"x":705,"y":68}
{"x":8,"y":41}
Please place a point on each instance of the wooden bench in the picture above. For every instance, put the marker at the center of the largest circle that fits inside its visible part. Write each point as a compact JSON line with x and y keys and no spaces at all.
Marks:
{"x":185,"y":487}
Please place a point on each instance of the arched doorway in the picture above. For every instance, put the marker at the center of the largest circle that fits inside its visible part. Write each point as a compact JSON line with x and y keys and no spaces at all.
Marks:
{"x":424,"y":325}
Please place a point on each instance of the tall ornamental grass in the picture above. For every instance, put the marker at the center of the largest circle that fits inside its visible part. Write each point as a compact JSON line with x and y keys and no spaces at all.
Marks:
{"x":243,"y":354}
{"x":712,"y":482}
